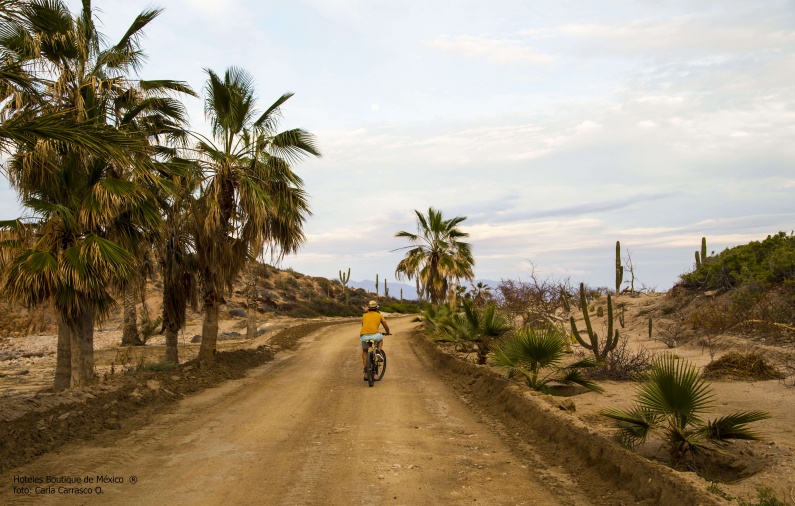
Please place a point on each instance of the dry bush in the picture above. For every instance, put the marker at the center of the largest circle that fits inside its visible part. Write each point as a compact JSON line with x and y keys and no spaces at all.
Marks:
{"x":538,"y":302}
{"x":623,"y":363}
{"x":673,"y":332}
{"x":746,"y":366}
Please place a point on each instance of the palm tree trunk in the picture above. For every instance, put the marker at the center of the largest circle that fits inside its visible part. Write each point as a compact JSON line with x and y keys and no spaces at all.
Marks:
{"x":63,"y":361}
{"x":209,"y":325}
{"x":251,"y":301}
{"x":82,"y":344}
{"x":172,"y":351}
{"x":130,"y":335}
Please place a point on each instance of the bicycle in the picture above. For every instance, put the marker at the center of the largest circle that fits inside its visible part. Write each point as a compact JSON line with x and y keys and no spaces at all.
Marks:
{"x":376,"y":362}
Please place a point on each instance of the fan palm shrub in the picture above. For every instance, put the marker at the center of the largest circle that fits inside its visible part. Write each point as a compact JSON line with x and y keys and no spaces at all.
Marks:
{"x":672,"y":401}
{"x":475,"y":327}
{"x":538,"y":354}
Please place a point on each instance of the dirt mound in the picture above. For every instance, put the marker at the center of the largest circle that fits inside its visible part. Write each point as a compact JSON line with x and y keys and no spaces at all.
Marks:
{"x":599,"y":464}
{"x":744,"y":366}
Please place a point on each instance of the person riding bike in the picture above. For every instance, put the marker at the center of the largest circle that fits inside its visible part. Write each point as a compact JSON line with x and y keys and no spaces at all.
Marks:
{"x":371,"y":320}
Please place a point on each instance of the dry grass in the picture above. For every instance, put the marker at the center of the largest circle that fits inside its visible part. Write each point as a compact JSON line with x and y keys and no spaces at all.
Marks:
{"x":745,"y":366}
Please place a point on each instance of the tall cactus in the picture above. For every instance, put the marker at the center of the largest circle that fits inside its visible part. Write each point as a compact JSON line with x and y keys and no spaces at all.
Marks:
{"x":612,"y":338}
{"x":386,"y":289}
{"x":619,"y":268}
{"x":344,"y":280}
{"x":376,"y":284}
{"x":700,"y":259}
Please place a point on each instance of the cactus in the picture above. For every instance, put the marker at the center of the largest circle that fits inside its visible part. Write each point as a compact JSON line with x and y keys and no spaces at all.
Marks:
{"x":600,"y":312}
{"x":376,"y":284}
{"x":344,"y":280}
{"x":401,"y":295}
{"x":702,"y":257}
{"x":386,"y":289}
{"x":619,"y":268}
{"x":623,"y":308}
{"x":650,"y":326}
{"x":594,"y":346}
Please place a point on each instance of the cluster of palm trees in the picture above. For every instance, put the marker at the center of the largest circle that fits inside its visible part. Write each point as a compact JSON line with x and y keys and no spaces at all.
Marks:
{"x":112,"y":180}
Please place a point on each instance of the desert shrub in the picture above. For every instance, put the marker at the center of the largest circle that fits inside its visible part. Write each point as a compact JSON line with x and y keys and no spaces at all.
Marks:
{"x":297,"y":310}
{"x":764,"y":497}
{"x":672,"y":332}
{"x":480,"y":328}
{"x":623,"y":363}
{"x":747,"y":366}
{"x":538,"y":301}
{"x":403,"y":307}
{"x":157,"y":366}
{"x":329,"y":307}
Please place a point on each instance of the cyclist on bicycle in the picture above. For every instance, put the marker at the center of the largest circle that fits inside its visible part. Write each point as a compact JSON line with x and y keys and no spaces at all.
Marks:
{"x":371,"y":320}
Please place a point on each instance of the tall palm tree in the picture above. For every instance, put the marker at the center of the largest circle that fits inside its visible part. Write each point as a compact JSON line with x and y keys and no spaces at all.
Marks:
{"x":249,"y":195}
{"x":437,"y":257}
{"x":149,"y":109}
{"x":78,"y":197}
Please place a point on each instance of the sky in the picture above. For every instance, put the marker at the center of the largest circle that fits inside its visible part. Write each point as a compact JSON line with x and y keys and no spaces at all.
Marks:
{"x":556,"y":127}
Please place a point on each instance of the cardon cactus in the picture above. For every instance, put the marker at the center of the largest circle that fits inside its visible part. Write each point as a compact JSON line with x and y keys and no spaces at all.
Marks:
{"x":344,"y":280}
{"x":619,"y":268}
{"x":600,"y":351}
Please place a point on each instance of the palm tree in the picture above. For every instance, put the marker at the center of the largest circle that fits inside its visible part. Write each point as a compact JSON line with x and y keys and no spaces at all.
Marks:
{"x":481,"y":293}
{"x":672,"y":401}
{"x":78,"y":197}
{"x":149,"y":110}
{"x":437,"y":257}
{"x":538,"y":354}
{"x":249,"y":194}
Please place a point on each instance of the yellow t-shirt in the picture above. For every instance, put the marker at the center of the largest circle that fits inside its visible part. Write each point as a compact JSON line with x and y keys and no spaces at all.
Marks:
{"x":370,"y":322}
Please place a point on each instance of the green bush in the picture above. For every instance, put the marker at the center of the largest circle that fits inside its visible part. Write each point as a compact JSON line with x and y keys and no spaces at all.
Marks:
{"x":766,"y":263}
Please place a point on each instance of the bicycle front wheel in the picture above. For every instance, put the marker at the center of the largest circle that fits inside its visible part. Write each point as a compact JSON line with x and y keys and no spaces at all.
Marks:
{"x":370,"y":369}
{"x":380,"y":356}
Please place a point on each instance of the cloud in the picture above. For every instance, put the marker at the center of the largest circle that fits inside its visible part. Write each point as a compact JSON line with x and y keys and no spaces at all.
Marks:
{"x":493,"y":49}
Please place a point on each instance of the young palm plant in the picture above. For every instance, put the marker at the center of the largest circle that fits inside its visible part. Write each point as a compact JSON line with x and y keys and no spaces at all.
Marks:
{"x":476,"y":327}
{"x":672,"y":401}
{"x":537,"y":354}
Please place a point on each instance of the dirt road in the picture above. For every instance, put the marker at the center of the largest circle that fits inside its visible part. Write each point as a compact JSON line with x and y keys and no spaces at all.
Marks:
{"x":305,"y":429}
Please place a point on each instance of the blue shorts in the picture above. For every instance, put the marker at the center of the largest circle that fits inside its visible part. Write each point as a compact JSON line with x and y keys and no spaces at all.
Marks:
{"x":375,"y":337}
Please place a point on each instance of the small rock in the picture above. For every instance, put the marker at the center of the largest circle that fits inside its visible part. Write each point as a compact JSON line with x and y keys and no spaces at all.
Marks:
{"x":22,"y":372}
{"x":153,"y":385}
{"x":567,"y":405}
{"x":196,"y":339}
{"x":65,"y":415}
{"x":380,"y":476}
{"x":135,"y":393}
{"x":175,"y":378}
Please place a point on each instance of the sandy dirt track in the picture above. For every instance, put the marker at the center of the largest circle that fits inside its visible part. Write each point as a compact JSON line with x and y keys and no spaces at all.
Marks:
{"x":305,"y":429}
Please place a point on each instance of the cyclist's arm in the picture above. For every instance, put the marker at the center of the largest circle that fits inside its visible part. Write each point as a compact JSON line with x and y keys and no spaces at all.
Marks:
{"x":386,"y":327}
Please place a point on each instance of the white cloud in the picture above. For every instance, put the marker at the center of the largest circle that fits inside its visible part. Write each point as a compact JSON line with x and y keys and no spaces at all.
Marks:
{"x":495,"y":50}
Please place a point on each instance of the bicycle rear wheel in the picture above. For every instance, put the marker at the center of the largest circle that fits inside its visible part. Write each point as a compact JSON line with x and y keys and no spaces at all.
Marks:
{"x":370,"y":369}
{"x":381,"y":366}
